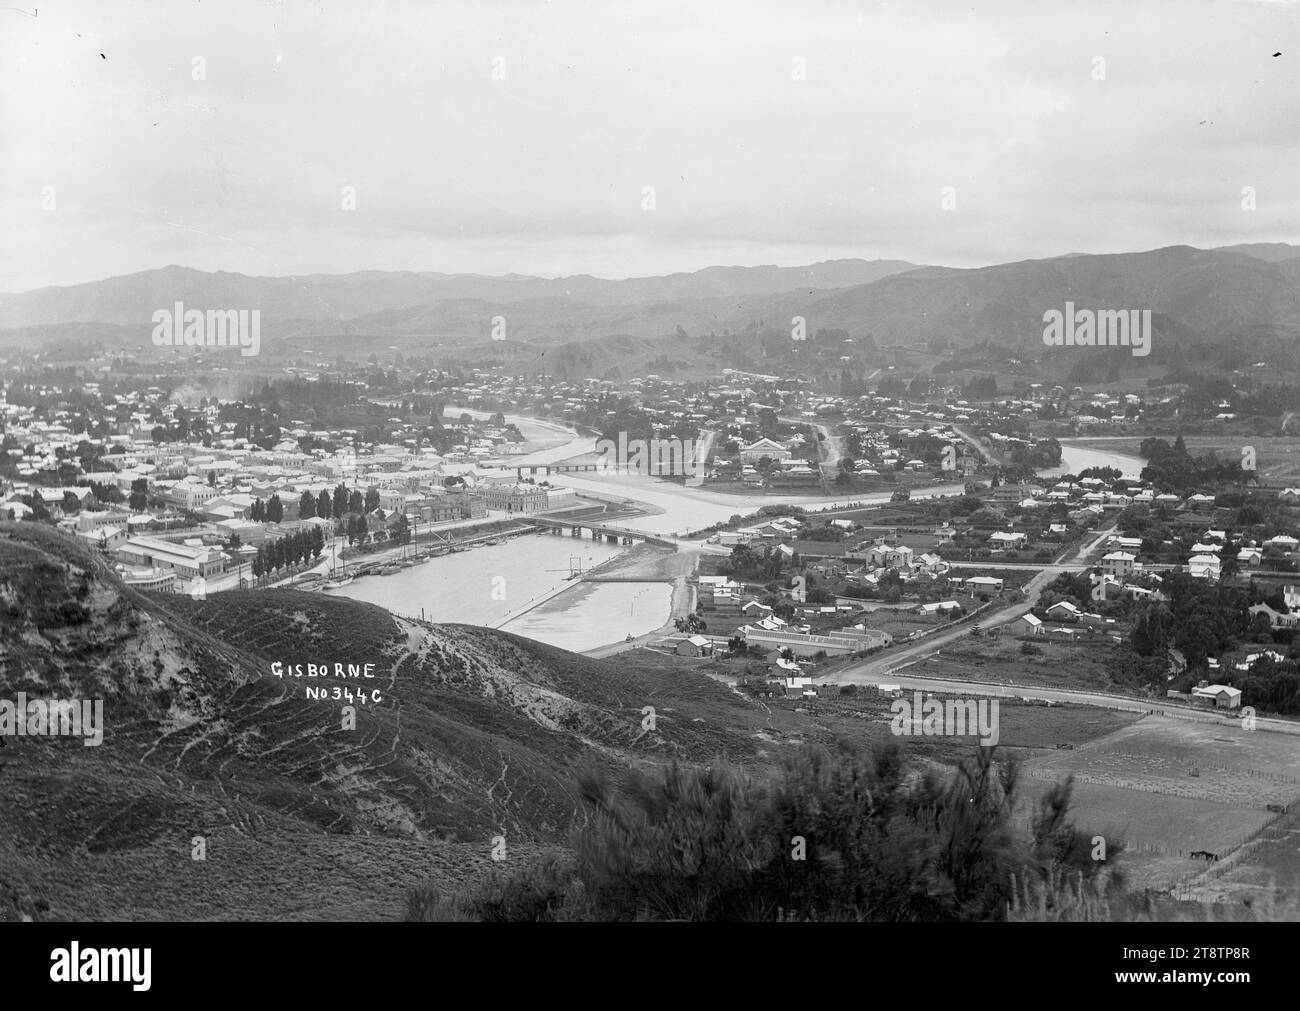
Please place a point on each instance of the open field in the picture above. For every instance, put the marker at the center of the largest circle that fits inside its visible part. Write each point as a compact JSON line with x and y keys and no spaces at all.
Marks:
{"x":1272,"y":863}
{"x":1060,"y":665}
{"x":1161,"y":823}
{"x":1138,"y":783}
{"x":898,"y":622}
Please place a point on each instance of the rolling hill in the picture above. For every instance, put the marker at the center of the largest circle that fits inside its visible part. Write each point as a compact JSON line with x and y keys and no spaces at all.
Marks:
{"x":132,"y":298}
{"x":1205,"y":293}
{"x":1197,"y":297}
{"x":478,"y":735}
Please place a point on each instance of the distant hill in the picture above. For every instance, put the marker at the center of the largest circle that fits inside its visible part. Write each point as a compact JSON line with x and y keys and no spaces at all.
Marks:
{"x":1195,"y":295}
{"x":479,"y":734}
{"x":133,"y":298}
{"x":1272,"y":252}
{"x":1205,"y":293}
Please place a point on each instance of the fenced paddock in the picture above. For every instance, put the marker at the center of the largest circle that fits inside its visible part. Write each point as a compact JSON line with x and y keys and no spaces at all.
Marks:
{"x":1171,"y":787}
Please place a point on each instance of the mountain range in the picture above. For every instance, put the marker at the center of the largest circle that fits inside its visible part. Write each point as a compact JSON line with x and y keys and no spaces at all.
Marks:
{"x":1194,"y":294}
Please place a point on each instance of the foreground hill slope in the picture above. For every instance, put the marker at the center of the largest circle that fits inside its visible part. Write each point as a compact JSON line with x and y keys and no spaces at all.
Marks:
{"x":477,"y":734}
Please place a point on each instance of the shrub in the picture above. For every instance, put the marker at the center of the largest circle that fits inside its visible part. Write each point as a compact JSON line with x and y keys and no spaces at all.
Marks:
{"x":851,"y":836}
{"x":540,"y":893}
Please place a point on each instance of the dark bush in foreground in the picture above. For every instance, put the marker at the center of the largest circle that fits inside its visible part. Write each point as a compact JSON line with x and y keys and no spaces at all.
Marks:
{"x":849,"y":836}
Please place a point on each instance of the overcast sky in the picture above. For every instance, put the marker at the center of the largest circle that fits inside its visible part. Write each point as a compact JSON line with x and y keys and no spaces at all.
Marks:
{"x":494,"y":137}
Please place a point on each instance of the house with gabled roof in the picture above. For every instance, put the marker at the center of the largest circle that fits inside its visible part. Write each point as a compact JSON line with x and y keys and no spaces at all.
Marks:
{"x":1063,"y":610}
{"x":764,"y":447}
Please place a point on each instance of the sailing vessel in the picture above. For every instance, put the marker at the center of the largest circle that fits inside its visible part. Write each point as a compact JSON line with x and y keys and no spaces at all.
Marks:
{"x":337,"y":578}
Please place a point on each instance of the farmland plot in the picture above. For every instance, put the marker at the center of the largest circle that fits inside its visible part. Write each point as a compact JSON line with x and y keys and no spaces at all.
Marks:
{"x":1138,"y":784}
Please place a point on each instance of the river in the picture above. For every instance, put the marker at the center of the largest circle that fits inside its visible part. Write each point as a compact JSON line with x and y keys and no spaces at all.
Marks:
{"x":521,"y":585}
{"x":1076,"y":458}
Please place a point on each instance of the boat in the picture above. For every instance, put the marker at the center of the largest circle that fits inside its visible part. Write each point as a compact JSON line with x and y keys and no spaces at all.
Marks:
{"x":337,"y":576}
{"x":388,"y":570}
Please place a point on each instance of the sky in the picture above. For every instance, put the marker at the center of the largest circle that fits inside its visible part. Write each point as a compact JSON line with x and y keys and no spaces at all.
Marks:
{"x":623,"y":139}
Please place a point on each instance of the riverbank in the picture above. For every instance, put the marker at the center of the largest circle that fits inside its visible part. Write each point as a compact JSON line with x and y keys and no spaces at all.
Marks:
{"x":349,"y":558}
{"x":649,"y":564}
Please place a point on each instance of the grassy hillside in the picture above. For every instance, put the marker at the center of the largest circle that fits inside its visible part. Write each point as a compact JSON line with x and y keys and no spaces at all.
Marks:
{"x":478,"y":734}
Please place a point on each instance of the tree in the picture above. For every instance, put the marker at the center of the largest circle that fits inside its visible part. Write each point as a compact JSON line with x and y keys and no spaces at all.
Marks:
{"x":883,"y":845}
{"x":324,"y":506}
{"x":306,"y":506}
{"x":1152,"y":629}
{"x":139,"y":499}
{"x":372,"y":500}
{"x":39,"y":512}
{"x":356,"y":502}
{"x":274,"y":509}
{"x":340,"y":504}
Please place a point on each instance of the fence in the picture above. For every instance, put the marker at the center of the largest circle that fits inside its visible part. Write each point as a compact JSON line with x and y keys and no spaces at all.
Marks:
{"x":1185,"y":887}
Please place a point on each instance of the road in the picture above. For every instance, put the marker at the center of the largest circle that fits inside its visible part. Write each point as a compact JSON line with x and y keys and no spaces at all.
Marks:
{"x":979,"y":446}
{"x":868,"y":671}
{"x":1032,"y":591}
{"x":830,"y":447}
{"x":1122,"y":702}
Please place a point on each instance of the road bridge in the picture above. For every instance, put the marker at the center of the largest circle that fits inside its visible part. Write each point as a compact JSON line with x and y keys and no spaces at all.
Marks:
{"x":613,"y":534}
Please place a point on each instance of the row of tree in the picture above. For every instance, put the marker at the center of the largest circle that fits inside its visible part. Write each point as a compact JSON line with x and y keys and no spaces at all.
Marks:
{"x":287,"y":551}
{"x":337,"y":504}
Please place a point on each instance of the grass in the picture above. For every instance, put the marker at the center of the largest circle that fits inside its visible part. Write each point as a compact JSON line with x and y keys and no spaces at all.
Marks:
{"x":479,"y":734}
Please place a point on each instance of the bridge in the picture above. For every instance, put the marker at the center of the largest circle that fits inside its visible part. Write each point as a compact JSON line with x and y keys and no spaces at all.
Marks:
{"x":613,"y":534}
{"x":578,"y":463}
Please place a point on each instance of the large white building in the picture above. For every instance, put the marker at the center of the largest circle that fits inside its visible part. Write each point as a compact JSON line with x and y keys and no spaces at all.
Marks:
{"x":186,"y":560}
{"x":514,"y":498}
{"x":1119,"y":564}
